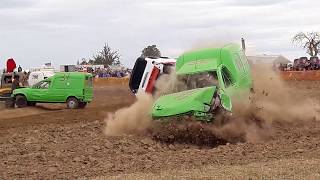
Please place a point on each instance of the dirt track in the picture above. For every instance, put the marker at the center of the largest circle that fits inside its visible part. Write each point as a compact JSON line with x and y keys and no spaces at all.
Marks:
{"x":49,"y":141}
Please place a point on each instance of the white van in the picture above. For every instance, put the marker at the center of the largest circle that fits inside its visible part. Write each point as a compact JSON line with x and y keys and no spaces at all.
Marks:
{"x":146,"y":71}
{"x":38,"y":76}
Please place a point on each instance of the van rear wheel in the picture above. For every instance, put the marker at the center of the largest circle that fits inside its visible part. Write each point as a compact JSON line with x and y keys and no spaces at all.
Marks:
{"x":72,"y":103}
{"x":82,"y":105}
{"x":21,"y":101}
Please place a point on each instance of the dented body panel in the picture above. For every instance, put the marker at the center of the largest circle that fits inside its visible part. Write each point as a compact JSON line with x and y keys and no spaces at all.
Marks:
{"x":184,"y":102}
{"x":229,"y":73}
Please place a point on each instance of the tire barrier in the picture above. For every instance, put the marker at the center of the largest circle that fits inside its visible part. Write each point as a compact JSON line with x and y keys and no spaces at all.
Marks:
{"x":313,"y":75}
{"x":111,"y":81}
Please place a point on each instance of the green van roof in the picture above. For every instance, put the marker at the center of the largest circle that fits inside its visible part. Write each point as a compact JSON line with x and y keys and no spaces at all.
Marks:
{"x":203,"y":60}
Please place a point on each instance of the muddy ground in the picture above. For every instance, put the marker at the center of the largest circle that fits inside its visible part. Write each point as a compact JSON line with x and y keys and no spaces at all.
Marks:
{"x":51,"y":142}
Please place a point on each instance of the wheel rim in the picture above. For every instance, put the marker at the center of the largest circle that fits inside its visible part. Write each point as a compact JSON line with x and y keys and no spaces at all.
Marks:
{"x":72,"y":104}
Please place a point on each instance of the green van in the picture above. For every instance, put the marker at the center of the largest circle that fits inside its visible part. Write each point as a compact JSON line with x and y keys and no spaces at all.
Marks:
{"x":212,"y":77}
{"x":74,"y":88}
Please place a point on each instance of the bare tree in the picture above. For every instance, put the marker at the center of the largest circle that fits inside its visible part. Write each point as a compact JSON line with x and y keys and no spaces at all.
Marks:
{"x":151,"y":51}
{"x":309,"y":41}
{"x":107,"y":57}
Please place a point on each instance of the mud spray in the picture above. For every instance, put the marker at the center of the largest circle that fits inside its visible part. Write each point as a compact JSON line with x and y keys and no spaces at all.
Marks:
{"x":136,"y":119}
{"x":130,"y":120}
{"x":251,"y":119}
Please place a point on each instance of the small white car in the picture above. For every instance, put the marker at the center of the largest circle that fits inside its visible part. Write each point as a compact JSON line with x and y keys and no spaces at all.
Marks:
{"x":146,"y":71}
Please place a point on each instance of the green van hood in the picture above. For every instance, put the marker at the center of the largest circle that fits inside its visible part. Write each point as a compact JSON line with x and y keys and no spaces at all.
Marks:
{"x":21,"y":90}
{"x":183,"y":102}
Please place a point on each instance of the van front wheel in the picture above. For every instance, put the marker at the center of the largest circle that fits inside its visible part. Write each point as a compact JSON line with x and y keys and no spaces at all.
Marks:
{"x":72,"y":103}
{"x":21,"y":101}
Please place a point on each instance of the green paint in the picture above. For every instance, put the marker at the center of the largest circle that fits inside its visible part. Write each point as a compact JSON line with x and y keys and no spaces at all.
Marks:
{"x":184,"y":102}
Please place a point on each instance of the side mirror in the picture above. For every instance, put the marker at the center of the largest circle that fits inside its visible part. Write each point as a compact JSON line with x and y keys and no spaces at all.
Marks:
{"x":226,"y":102}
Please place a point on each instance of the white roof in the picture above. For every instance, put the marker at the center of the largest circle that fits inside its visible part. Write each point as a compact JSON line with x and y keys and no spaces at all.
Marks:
{"x":161,"y":60}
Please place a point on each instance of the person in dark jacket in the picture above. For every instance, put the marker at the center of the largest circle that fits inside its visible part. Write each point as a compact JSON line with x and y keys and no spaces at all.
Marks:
{"x":15,"y":82}
{"x":19,"y":69}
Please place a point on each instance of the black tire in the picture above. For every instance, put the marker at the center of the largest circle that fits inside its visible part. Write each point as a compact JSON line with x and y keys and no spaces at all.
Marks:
{"x":32,"y":103}
{"x":21,"y":101}
{"x":72,"y":103}
{"x":82,"y":105}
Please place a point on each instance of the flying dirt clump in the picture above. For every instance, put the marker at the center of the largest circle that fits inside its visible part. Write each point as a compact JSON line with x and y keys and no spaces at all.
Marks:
{"x":130,"y":120}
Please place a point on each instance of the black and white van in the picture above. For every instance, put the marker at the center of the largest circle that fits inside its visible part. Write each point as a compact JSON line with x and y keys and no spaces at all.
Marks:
{"x":146,"y":71}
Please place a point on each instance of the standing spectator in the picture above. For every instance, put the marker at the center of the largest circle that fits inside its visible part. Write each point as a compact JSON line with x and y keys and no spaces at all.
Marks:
{"x":19,"y":69}
{"x":15,"y":82}
{"x":24,"y":79}
{"x":296,"y":65}
{"x":302,"y":63}
{"x":313,"y":63}
{"x":317,"y":66}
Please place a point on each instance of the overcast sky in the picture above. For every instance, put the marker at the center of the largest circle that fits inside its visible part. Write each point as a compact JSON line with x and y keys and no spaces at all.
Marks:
{"x":63,"y":31}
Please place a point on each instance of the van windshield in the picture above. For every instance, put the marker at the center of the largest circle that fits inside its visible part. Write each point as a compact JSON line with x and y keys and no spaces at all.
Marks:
{"x":198,"y":80}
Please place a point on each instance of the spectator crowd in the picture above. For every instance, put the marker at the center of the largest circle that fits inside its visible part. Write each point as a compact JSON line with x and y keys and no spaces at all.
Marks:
{"x":301,"y":64}
{"x":109,"y":72}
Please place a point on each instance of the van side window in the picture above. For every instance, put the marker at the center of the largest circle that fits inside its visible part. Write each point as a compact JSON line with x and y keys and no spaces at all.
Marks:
{"x":45,"y":85}
{"x":226,"y":76}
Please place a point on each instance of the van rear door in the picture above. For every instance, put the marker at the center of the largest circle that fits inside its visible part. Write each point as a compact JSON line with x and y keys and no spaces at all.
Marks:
{"x":88,"y":88}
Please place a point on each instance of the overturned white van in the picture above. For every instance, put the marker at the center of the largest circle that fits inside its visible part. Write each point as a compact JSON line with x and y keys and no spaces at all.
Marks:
{"x":146,"y":71}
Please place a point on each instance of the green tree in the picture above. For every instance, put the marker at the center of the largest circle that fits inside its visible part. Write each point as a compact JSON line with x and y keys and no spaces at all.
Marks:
{"x":151,"y":51}
{"x":107,"y":57}
{"x":309,"y":41}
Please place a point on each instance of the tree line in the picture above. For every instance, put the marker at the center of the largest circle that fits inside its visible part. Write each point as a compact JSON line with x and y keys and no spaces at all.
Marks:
{"x":309,"y":41}
{"x":108,"y":57}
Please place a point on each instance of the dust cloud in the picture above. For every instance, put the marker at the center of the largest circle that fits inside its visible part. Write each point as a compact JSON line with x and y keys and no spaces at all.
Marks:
{"x":274,"y":100}
{"x":130,"y":120}
{"x":168,"y":83}
{"x":251,"y":119}
{"x":271,"y":101}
